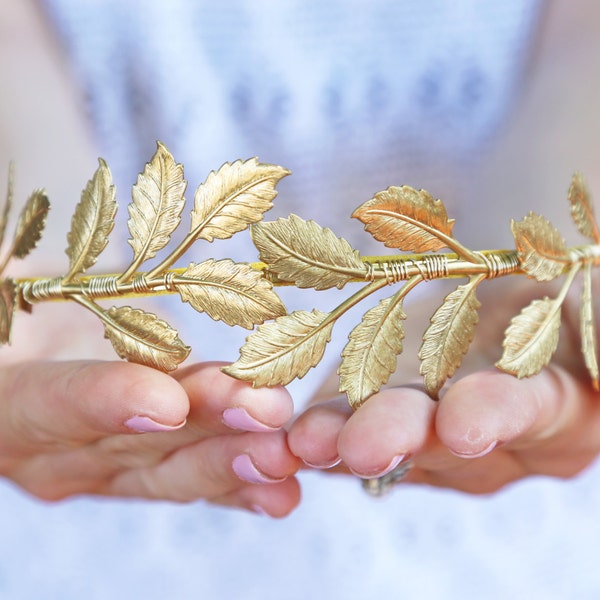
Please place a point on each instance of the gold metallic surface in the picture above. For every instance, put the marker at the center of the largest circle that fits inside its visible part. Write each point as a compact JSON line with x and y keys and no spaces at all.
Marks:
{"x":92,"y":223}
{"x":305,"y":255}
{"x":449,"y":335}
{"x":589,"y":340}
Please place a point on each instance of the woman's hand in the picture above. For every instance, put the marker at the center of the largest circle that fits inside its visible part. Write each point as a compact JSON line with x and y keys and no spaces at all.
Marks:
{"x":487,"y":430}
{"x":120,"y":429}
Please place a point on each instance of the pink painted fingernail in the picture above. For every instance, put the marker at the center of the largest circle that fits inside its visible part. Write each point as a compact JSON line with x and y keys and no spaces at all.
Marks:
{"x":483,"y":452}
{"x":259,"y":510}
{"x":246,"y":470}
{"x":148,"y":425}
{"x":392,"y":465}
{"x":239,"y":418}
{"x":326,"y":465}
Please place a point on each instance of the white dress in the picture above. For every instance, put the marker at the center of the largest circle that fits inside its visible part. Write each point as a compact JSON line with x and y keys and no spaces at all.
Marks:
{"x":352,"y":97}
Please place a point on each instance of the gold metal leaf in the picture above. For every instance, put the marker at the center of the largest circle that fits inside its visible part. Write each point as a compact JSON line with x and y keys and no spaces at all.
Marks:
{"x":307,"y":254}
{"x":7,"y":307}
{"x":582,"y":209}
{"x":369,"y":358}
{"x":231,"y":292}
{"x":280,"y":351}
{"x":8,"y":202}
{"x":541,"y":248}
{"x":589,"y":341}
{"x":142,"y":337}
{"x":449,"y":335}
{"x":235,"y":196}
{"x":407,"y":219}
{"x":158,"y":199}
{"x":31,"y":224}
{"x":92,"y":222}
{"x":531,"y":338}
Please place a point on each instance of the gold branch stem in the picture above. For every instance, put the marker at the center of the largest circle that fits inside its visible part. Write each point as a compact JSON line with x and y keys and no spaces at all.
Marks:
{"x":126,"y":276}
{"x":6,"y":259}
{"x":300,"y":253}
{"x":574,"y":269}
{"x":386,"y":268}
{"x":357,"y":297}
{"x":179,"y":251}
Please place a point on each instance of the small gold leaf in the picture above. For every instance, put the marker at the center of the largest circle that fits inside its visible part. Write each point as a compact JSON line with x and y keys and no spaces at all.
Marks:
{"x":448,"y":337}
{"x":369,"y":358}
{"x":157,"y":204}
{"x":531,"y":338}
{"x":235,"y":196}
{"x":280,"y":351}
{"x":582,"y":209}
{"x":7,"y":307}
{"x":142,"y":337}
{"x":31,"y":224}
{"x":234,"y":293}
{"x":407,"y":219}
{"x":542,"y":250}
{"x":92,"y":222}
{"x":589,"y":342}
{"x":306,"y":254}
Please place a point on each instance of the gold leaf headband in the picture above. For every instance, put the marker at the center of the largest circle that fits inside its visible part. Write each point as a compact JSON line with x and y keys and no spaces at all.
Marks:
{"x":304,"y":254}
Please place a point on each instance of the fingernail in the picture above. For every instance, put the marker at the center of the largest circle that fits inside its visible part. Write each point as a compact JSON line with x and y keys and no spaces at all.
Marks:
{"x":246,"y":470}
{"x":326,"y":465}
{"x":393,"y":464}
{"x":148,"y":425}
{"x":239,"y":418}
{"x":259,"y":510}
{"x":476,"y":454}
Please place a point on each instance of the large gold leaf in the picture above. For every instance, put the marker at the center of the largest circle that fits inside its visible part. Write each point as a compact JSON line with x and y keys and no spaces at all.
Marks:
{"x":142,"y":337}
{"x":542,"y":250}
{"x":589,"y":341}
{"x":306,"y":254}
{"x":234,"y":293}
{"x":7,"y":307}
{"x":531,"y":338}
{"x":407,"y":219}
{"x":280,"y":351}
{"x":582,"y":209}
{"x":157,"y":204}
{"x":92,"y":222}
{"x":30,"y":224}
{"x":233,"y":197}
{"x":449,"y":335}
{"x":369,"y":358}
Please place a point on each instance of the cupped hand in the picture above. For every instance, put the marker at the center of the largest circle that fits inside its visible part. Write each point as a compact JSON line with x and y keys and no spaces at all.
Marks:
{"x":487,"y":430}
{"x":120,"y":429}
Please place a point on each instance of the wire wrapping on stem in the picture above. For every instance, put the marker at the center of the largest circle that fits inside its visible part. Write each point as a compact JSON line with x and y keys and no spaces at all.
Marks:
{"x":303,"y":254}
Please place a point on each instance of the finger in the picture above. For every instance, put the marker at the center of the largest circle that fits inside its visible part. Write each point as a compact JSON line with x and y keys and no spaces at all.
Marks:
{"x":89,"y":469}
{"x":211,"y":468}
{"x":53,"y":405}
{"x":276,"y":500}
{"x":488,"y":409}
{"x":220,"y":403}
{"x":313,"y":436}
{"x":389,"y":428}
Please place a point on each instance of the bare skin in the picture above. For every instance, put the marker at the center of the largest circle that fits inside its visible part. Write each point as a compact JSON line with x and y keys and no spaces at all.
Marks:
{"x":487,"y":430}
{"x":63,"y":424}
{"x":490,"y":429}
{"x":64,"y":430}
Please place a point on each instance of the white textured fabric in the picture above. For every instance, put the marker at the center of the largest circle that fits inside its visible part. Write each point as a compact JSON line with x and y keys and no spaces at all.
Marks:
{"x":352,"y":96}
